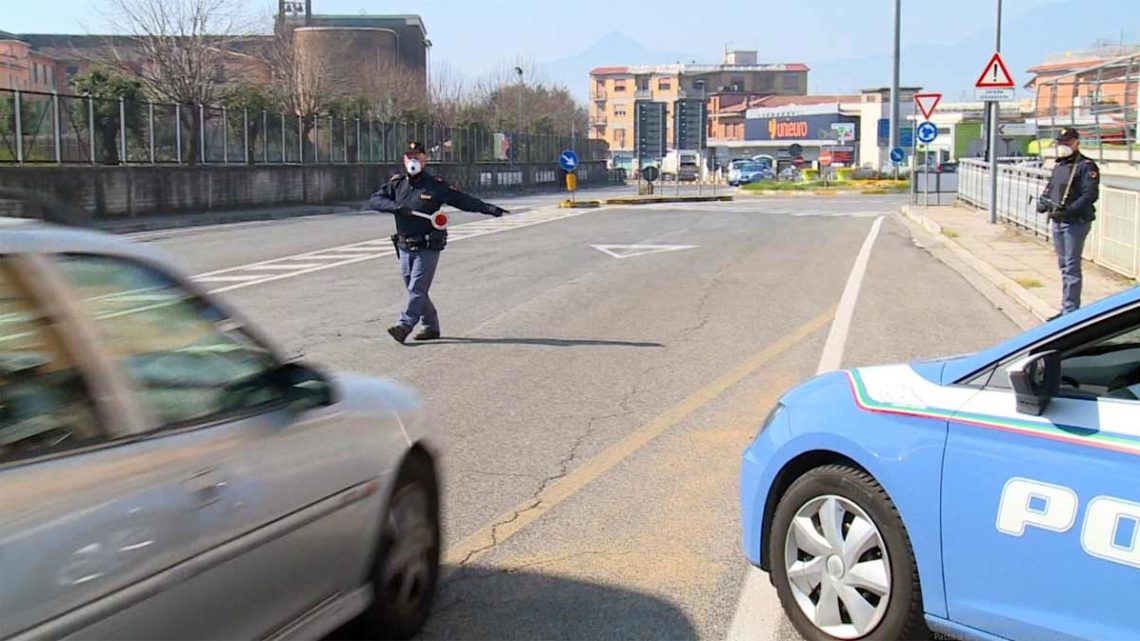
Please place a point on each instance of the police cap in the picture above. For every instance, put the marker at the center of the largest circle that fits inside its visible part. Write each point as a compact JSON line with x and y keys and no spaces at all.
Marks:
{"x":414,"y":147}
{"x":1067,"y":134}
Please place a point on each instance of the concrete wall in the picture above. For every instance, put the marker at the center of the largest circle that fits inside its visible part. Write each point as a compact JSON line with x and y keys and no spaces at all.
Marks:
{"x":83,"y":194}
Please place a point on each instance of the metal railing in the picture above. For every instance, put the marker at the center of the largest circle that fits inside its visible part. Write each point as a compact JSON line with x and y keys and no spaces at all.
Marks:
{"x":1100,"y":101}
{"x":1114,"y":240}
{"x":41,"y":128}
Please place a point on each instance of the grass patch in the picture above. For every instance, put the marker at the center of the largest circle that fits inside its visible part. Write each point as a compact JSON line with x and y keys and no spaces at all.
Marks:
{"x":949,"y":233}
{"x":1028,"y":283}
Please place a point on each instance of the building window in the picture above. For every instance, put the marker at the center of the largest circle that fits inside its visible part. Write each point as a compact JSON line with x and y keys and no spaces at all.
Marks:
{"x":643,"y":85}
{"x":665,"y":84}
{"x":791,"y":83}
{"x":35,"y":73}
{"x":619,"y":110}
{"x":619,"y":87}
{"x":619,"y":138}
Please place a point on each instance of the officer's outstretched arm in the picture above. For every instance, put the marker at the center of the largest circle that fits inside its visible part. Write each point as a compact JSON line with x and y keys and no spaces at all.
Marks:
{"x":385,"y":199}
{"x":466,"y":202}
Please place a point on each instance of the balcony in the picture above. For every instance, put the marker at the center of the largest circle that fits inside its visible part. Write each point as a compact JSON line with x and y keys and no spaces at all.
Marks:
{"x":643,"y":94}
{"x":599,"y":94}
{"x":598,"y":121}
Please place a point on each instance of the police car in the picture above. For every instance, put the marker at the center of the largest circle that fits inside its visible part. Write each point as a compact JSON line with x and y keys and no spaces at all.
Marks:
{"x":994,"y":495}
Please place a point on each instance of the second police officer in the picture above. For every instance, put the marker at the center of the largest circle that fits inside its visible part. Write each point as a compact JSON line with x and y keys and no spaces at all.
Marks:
{"x":418,"y":243}
{"x":1068,"y":199}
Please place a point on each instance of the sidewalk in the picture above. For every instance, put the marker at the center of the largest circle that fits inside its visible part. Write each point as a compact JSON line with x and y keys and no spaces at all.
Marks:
{"x":1020,"y":265}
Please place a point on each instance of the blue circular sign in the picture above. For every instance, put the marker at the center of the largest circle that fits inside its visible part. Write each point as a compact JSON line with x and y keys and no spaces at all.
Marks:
{"x":897,"y":154}
{"x":568,"y":160}
{"x":927,"y":132}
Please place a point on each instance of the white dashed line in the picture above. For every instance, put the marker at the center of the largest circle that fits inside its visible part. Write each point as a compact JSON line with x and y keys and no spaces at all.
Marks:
{"x":261,"y":272}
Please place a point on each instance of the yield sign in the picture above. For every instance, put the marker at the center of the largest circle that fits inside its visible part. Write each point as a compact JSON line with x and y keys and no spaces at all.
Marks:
{"x":927,"y":102}
{"x":629,"y":251}
{"x":995,"y":75}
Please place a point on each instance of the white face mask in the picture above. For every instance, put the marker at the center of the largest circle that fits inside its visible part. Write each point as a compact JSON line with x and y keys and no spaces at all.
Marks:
{"x":1064,"y":151}
{"x":413,"y":166}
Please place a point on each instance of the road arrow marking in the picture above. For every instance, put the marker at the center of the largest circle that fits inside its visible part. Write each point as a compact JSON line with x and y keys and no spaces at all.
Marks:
{"x":629,"y":251}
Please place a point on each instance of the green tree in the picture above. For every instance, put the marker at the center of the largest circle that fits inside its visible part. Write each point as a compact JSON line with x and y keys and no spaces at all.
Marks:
{"x":106,"y":88}
{"x":250,"y":100}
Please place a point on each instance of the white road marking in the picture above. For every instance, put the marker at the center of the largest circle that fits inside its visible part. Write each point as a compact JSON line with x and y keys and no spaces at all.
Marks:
{"x":759,"y":614}
{"x":260,"y":273}
{"x":629,"y":251}
{"x":841,"y":326}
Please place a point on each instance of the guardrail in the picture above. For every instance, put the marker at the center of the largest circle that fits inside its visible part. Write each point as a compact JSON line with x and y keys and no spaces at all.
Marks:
{"x":1113,"y":242}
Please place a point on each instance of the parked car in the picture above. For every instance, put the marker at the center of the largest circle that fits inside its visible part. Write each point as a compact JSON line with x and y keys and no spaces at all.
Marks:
{"x":165,"y":472}
{"x":979,"y":496}
{"x":746,"y":173}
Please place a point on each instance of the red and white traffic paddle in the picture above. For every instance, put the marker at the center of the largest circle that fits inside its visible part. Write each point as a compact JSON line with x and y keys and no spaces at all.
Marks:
{"x":438,"y":220}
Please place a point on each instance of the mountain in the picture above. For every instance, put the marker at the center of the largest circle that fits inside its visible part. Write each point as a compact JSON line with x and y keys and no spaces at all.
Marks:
{"x":952,"y":69}
{"x":611,"y":50}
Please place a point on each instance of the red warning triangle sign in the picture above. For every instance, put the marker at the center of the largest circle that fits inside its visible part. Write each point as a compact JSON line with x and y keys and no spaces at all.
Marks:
{"x":927,"y":102}
{"x":995,"y":75}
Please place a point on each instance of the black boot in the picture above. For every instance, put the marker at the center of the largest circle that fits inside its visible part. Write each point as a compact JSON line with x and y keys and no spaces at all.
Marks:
{"x":428,"y":335}
{"x":399,"y":333}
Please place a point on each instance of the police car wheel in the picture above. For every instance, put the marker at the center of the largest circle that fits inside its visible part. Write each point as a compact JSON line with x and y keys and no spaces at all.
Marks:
{"x":841,"y":559}
{"x":405,"y":571}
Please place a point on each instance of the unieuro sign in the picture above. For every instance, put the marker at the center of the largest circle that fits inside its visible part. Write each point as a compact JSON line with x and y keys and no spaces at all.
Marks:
{"x":787,"y":129}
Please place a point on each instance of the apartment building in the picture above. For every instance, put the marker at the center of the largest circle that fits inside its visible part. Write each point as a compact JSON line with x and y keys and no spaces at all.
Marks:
{"x":615,"y":90}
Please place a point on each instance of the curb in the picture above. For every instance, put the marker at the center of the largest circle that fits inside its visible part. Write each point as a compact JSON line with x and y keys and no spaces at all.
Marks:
{"x":645,"y":200}
{"x":1023,"y":296}
{"x":840,"y":192}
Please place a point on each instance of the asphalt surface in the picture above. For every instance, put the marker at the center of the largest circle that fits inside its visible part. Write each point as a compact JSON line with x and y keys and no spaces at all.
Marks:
{"x":593,"y":409}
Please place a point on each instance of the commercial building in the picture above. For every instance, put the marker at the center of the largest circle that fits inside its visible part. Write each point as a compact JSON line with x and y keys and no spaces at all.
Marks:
{"x":1094,"y":91}
{"x":614,"y":92}
{"x":854,"y":128}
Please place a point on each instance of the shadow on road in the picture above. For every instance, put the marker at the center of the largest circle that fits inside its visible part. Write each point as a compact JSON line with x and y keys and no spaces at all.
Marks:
{"x":528,"y":606}
{"x":539,"y":342}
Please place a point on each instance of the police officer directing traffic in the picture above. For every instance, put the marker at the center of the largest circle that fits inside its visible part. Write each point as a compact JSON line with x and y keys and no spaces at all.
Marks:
{"x":1068,"y":199}
{"x":414,"y":196}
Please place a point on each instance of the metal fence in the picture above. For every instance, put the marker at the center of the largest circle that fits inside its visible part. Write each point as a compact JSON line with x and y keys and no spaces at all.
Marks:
{"x":1100,"y":101}
{"x":38,"y":128}
{"x":1113,"y":242}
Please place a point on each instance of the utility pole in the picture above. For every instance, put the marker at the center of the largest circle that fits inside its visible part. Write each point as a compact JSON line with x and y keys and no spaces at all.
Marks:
{"x":894,"y":124}
{"x":519,"y":71}
{"x":995,"y":110}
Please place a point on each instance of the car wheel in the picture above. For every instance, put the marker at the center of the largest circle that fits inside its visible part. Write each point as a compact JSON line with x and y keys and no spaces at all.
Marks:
{"x":842,"y":561}
{"x":406,"y":569}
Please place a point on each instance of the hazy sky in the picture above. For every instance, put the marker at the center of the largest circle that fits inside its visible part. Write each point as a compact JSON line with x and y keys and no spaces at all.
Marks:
{"x":475,"y":35}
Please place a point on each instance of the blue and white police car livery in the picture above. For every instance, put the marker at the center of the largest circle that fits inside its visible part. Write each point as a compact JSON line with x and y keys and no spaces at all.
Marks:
{"x":994,"y":495}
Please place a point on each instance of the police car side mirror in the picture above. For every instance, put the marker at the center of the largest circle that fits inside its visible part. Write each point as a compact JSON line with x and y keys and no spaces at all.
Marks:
{"x":1036,"y":379}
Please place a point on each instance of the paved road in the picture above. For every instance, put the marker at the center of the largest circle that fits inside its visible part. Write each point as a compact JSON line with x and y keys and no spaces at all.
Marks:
{"x":594,"y":403}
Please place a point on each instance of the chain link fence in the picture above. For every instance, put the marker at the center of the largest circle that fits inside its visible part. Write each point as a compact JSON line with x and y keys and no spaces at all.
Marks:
{"x":39,"y":128}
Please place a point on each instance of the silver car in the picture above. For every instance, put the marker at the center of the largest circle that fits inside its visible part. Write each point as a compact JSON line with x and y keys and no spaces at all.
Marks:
{"x":166,"y":474}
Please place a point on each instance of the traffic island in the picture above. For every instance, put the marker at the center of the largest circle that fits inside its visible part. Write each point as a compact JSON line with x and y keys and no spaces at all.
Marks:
{"x":580,"y":204}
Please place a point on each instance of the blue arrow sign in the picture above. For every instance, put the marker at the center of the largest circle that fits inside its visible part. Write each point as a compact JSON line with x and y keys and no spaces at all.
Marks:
{"x":927,"y":132}
{"x":568,"y":160}
{"x":897,"y":154}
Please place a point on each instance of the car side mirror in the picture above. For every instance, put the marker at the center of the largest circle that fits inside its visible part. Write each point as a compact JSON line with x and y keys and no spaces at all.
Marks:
{"x":305,"y":387}
{"x":1036,"y":379}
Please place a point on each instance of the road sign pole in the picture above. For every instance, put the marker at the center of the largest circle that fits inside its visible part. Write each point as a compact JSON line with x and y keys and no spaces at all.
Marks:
{"x":995,"y":111}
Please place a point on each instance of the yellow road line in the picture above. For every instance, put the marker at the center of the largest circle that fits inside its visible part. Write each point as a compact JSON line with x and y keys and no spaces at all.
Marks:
{"x":507,"y":525}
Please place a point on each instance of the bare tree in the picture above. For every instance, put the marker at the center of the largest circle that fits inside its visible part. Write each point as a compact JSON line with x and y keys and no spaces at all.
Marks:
{"x":304,"y":82}
{"x":179,"y":49}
